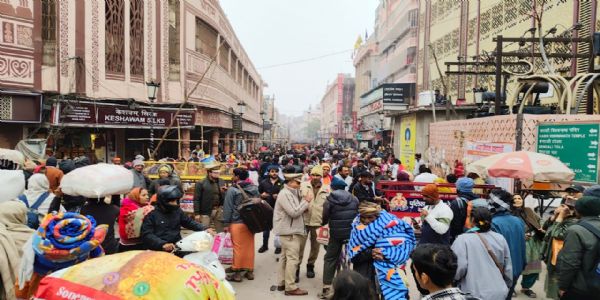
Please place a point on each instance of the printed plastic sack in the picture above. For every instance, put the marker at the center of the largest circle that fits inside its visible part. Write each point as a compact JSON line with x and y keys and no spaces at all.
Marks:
{"x":200,"y":241}
{"x":134,"y":275}
{"x":96,"y":181}
{"x":223,"y":247}
{"x":323,"y":235}
{"x":210,"y":262}
{"x":12,"y":183}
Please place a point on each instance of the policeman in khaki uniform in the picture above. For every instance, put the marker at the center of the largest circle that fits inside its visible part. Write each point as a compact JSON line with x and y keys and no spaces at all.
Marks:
{"x":316,"y":192}
{"x":288,"y":223}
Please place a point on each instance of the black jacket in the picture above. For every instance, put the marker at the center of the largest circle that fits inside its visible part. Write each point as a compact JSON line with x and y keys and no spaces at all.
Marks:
{"x":161,"y":227}
{"x":356,"y":171}
{"x":459,"y":210}
{"x":104,"y":214}
{"x":266,"y":186}
{"x":339,"y":211}
{"x":204,"y":195}
{"x":364,"y":193}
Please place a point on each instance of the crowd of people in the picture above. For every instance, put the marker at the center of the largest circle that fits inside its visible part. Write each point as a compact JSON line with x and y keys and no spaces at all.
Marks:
{"x":476,"y":246}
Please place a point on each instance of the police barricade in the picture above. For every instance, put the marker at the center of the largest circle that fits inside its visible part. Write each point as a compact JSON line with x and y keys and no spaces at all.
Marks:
{"x":189,"y":174}
{"x":406,"y":201}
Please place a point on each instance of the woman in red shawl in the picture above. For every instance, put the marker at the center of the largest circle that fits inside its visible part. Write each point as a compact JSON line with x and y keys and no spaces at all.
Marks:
{"x":134,"y":209}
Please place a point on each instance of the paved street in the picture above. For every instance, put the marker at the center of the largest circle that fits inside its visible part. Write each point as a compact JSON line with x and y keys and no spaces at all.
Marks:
{"x":266,"y":276}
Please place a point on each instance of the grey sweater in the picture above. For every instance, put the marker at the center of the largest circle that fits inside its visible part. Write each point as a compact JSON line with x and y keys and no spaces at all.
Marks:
{"x":477,"y":274}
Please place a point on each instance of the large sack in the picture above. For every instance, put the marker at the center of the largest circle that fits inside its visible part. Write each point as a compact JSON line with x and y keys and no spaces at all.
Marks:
{"x":13,"y":156}
{"x":134,"y":275}
{"x":96,"y":181}
{"x":12,"y":184}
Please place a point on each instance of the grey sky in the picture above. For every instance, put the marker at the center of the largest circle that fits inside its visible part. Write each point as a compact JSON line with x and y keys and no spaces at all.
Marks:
{"x":280,"y":31}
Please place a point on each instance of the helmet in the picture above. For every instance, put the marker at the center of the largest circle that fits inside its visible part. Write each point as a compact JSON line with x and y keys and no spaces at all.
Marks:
{"x":169,"y":193}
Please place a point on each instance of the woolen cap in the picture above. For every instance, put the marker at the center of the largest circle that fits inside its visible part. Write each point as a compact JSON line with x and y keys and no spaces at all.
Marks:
{"x":431,"y":191}
{"x":465,"y":184}
{"x":588,"y":206}
{"x":338,"y":184}
{"x":138,"y":162}
{"x":317,"y":170}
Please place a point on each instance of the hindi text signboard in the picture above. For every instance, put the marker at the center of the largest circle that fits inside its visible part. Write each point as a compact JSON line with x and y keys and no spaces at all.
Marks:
{"x":576,"y":145}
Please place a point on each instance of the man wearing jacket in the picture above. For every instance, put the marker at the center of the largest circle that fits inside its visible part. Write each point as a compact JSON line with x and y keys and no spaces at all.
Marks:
{"x":288,"y":223}
{"x":208,"y":198}
{"x":162,"y":227}
{"x":241,"y":236}
{"x":269,"y":190}
{"x":339,"y":211}
{"x":315,"y":191}
{"x":512,"y":229}
{"x":579,"y":254}
{"x":139,"y":180}
{"x":461,"y":206}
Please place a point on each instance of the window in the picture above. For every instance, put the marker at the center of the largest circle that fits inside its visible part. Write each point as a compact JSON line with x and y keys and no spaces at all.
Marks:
{"x":174,"y":61}
{"x":49,"y":32}
{"x":410,"y":55}
{"x":240,"y":73}
{"x":413,"y":18}
{"x":206,"y":38}
{"x":115,"y":39}
{"x":233,"y":68}
{"x":136,"y":37}
{"x":224,"y":56}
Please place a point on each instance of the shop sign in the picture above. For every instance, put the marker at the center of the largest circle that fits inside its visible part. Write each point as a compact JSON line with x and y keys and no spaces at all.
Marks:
{"x":398,"y":92}
{"x":237,"y":123}
{"x":122,"y":116}
{"x":408,"y":140}
{"x":476,"y":150}
{"x":373,"y":107}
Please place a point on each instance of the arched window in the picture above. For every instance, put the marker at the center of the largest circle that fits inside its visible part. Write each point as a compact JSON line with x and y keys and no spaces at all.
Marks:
{"x":136,"y":38}
{"x":49,"y":32}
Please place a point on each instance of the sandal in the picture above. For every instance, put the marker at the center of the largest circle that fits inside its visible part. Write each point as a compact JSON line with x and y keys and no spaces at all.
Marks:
{"x":249,"y":275}
{"x":235,"y":277}
{"x":529,"y":293}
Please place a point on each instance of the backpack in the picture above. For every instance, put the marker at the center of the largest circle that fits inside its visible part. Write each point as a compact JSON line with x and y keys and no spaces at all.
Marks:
{"x":33,"y":220}
{"x":592,"y":278}
{"x":256,"y":213}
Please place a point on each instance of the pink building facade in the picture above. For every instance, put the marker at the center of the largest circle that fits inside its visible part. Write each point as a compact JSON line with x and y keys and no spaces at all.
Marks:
{"x":84,"y":66}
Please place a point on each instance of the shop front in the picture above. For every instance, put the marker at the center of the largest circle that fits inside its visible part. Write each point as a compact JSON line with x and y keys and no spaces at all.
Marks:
{"x":18,"y":110}
{"x":101,"y":131}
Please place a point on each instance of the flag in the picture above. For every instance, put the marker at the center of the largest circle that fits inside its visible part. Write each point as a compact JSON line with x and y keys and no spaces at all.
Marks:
{"x":358,"y":42}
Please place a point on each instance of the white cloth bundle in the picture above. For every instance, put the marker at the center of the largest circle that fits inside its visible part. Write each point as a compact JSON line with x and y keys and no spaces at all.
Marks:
{"x":96,"y":181}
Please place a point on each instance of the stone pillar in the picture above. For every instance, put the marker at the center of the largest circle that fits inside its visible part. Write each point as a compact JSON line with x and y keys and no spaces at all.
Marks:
{"x":234,"y":142}
{"x":215,"y":143}
{"x":185,"y":144}
{"x":227,"y":143}
{"x":252,"y":143}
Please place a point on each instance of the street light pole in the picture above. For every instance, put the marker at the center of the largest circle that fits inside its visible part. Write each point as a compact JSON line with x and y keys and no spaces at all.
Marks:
{"x":152,"y":89}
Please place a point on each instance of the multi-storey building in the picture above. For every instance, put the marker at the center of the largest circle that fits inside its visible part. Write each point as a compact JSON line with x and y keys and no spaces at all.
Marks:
{"x":338,"y":117}
{"x":386,"y":62}
{"x":75,"y":72}
{"x":464,"y":30}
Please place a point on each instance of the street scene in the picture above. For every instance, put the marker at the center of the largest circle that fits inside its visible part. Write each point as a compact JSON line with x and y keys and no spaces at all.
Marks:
{"x":270,"y":149}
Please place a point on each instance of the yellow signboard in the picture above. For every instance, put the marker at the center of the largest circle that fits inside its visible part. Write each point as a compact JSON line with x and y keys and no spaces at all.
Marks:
{"x":408,"y":141}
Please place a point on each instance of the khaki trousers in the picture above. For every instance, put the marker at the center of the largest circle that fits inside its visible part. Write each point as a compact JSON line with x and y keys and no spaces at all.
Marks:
{"x":314,"y":245}
{"x":289,"y":260}
{"x":215,"y":219}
